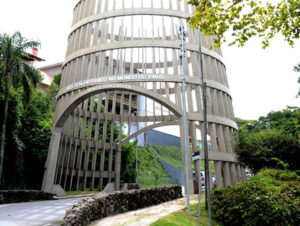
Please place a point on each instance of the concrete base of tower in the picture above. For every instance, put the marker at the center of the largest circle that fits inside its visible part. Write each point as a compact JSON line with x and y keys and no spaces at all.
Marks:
{"x":55,"y":189}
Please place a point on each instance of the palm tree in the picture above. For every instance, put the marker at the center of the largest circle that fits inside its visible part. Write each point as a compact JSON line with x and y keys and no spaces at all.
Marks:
{"x":15,"y":73}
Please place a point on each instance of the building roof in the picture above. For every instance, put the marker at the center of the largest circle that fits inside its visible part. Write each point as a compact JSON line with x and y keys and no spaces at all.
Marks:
{"x":31,"y":57}
{"x":51,"y":66}
{"x":47,"y":79}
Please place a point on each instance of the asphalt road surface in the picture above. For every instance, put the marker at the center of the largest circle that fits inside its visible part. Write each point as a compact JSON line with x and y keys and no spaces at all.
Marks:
{"x":43,"y":213}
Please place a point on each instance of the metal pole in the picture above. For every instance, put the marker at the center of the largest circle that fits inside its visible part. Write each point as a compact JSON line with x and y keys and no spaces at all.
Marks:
{"x":200,"y":183}
{"x":136,"y":165}
{"x":199,"y":191}
{"x":207,"y":179}
{"x":187,"y":187}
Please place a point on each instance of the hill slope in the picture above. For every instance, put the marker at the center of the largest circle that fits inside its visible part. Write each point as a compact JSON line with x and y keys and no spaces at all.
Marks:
{"x":150,"y":171}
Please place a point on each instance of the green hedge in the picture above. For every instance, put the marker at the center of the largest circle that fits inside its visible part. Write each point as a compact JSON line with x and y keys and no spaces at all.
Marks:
{"x":269,"y":198}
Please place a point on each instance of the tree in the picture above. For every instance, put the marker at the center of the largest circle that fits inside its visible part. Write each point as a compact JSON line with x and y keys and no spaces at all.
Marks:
{"x":270,"y":141}
{"x":246,"y":19}
{"x":297,"y":69}
{"x":286,"y":121}
{"x":15,"y":73}
{"x":128,"y":166}
{"x":35,"y":134}
{"x":268,"y":149}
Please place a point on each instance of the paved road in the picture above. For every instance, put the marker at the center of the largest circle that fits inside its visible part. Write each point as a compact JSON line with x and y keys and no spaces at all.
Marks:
{"x":44,"y":213}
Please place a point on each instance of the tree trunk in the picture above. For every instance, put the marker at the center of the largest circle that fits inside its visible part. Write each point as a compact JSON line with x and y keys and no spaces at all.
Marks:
{"x":3,"y":136}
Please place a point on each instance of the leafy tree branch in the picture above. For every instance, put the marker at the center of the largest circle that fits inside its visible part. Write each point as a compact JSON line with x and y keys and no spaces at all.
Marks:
{"x":245,"y":19}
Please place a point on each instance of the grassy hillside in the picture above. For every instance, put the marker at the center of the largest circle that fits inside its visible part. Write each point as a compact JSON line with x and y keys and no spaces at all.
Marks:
{"x":150,"y":171}
{"x":172,"y":155}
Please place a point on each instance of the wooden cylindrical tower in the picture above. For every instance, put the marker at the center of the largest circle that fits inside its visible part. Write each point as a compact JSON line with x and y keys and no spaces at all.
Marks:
{"x":122,"y":77}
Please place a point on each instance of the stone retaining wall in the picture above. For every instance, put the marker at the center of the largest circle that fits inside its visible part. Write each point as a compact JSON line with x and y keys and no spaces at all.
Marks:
{"x":103,"y":205}
{"x":15,"y":196}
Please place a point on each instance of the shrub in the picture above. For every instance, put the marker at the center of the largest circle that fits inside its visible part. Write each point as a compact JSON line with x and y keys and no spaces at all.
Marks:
{"x":269,"y":198}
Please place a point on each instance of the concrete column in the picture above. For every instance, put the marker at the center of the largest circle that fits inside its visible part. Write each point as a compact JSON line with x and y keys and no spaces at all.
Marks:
{"x":197,"y":171}
{"x":194,"y":149}
{"x":238,"y":169}
{"x":228,"y":140}
{"x":220,"y":134}
{"x":118,"y":168}
{"x":243,"y":172}
{"x":226,"y":173}
{"x":210,"y":175}
{"x":48,"y":181}
{"x":218,"y":169}
{"x":234,"y":177}
{"x":183,"y":160}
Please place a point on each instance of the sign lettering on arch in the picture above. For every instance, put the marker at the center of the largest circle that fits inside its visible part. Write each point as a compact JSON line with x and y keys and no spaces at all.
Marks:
{"x":116,"y":78}
{"x":110,"y":86}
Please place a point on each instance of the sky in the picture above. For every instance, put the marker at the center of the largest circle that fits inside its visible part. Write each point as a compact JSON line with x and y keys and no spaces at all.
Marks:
{"x":260,"y":80}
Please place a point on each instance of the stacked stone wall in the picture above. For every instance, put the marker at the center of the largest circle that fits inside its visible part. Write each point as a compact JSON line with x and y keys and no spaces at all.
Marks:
{"x":104,"y":205}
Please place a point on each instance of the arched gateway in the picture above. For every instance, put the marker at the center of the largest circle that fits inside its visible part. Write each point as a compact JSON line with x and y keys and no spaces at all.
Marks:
{"x":122,"y":76}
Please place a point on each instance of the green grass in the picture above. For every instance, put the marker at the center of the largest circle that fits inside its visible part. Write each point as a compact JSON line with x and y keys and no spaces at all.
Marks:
{"x":87,"y":191}
{"x":181,"y":218}
{"x":172,"y":155}
{"x":151,"y":172}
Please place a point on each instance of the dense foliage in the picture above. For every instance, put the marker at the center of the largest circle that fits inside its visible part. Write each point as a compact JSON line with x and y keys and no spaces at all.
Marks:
{"x":271,"y":141}
{"x":286,"y":121}
{"x":128,"y":171}
{"x":268,"y":149}
{"x":35,"y":134}
{"x":28,"y":137}
{"x":270,"y":198}
{"x":245,"y":19}
{"x":17,"y":83}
